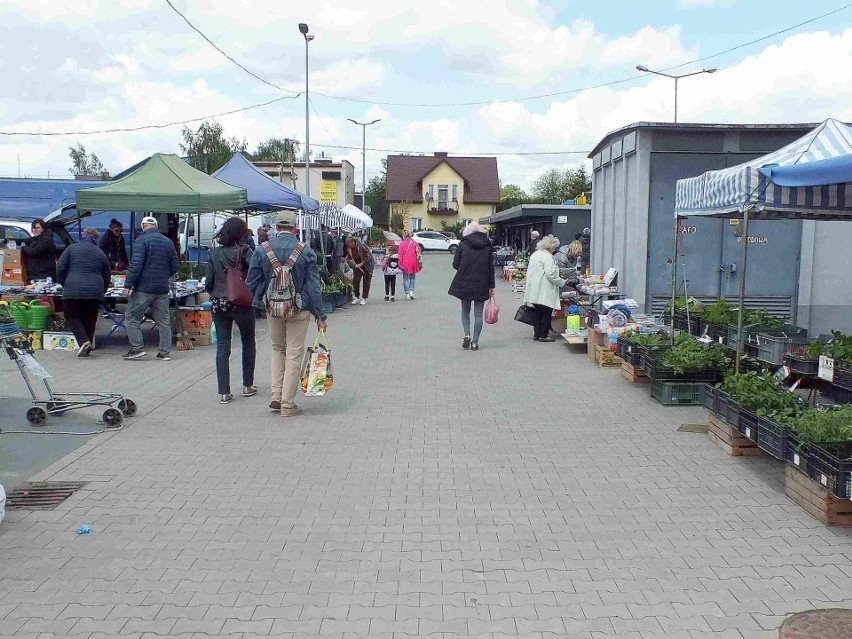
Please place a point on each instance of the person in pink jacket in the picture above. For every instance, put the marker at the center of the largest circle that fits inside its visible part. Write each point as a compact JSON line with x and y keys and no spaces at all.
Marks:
{"x":409,"y":262}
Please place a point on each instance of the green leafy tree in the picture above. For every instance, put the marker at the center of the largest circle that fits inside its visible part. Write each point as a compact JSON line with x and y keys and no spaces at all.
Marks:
{"x":512,"y":195}
{"x":207,"y":149}
{"x":550,"y":187}
{"x":83,"y":163}
{"x":400,"y":214}
{"x":578,"y":181}
{"x":456,"y":228}
{"x":277,"y":150}
{"x":375,"y":196}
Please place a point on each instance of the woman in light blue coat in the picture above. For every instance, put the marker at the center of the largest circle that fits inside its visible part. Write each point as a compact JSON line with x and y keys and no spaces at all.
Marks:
{"x":542,"y":287}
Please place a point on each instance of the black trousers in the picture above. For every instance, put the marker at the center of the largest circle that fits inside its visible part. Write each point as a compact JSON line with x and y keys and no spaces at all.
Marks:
{"x":541,"y":328}
{"x":390,"y":285}
{"x":224,"y":321}
{"x":81,"y":317}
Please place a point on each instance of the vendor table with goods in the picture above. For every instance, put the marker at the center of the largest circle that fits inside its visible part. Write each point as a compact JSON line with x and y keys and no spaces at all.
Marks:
{"x":42,"y":307}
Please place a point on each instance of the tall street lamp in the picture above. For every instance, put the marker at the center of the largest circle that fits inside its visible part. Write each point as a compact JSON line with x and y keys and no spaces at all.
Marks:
{"x":303,"y":29}
{"x":645,"y":69}
{"x":363,"y":126}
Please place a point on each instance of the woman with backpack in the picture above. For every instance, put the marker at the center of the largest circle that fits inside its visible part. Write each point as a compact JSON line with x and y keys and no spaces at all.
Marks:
{"x":232,"y":253}
{"x":473,"y":283}
{"x":410,"y":262}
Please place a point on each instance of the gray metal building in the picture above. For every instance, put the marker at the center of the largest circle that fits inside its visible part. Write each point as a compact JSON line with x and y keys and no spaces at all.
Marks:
{"x":513,"y":225}
{"x":798,"y":269}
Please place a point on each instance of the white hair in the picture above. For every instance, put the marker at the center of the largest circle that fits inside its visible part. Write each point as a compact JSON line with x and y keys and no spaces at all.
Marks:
{"x":548,"y":243}
{"x":536,"y":233}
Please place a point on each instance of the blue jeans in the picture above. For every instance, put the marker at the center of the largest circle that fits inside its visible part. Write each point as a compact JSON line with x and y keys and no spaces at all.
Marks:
{"x":244,"y":319}
{"x":477,"y":318}
{"x":408,"y":281}
{"x":158,"y":306}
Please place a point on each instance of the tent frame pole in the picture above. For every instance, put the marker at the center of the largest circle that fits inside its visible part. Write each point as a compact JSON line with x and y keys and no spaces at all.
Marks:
{"x":674,"y":278}
{"x":744,"y":255}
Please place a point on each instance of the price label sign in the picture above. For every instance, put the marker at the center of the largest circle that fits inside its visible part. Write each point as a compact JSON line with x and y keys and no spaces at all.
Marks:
{"x":826,"y":368}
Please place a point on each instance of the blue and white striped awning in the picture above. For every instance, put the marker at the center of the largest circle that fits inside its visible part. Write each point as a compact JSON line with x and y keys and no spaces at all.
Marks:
{"x":349,"y":218}
{"x":728,"y":192}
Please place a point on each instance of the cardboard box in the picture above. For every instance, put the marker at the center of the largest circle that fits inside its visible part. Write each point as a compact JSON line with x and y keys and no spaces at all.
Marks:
{"x":59,"y":341}
{"x":196,"y":318}
{"x":199,"y":338}
{"x":13,"y":271}
{"x":595,"y":339}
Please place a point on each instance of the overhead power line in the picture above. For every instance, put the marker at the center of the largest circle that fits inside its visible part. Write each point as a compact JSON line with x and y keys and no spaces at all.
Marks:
{"x":149,"y":126}
{"x":514,"y":99}
{"x":213,"y":44}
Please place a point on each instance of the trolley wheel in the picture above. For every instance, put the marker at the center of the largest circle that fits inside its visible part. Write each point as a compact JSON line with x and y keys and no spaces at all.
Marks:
{"x":128,"y":407}
{"x":57,"y":408}
{"x":36,"y":416}
{"x":113,"y":417}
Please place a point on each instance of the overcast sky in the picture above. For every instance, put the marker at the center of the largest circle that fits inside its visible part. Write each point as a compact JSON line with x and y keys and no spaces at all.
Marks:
{"x":91,"y":65}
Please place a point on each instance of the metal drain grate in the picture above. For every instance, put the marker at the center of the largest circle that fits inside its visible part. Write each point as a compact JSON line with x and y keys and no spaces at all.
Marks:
{"x":43,"y":495}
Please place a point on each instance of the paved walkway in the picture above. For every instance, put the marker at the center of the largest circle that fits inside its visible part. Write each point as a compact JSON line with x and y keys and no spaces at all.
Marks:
{"x":514,"y":491}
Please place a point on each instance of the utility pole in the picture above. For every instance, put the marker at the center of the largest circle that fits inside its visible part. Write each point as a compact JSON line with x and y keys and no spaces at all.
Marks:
{"x":644,"y":69}
{"x":363,"y":126}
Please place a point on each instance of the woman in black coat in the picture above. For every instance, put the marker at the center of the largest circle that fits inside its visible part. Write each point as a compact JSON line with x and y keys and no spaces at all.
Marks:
{"x":84,"y":273}
{"x":39,"y":252}
{"x":473,"y":283}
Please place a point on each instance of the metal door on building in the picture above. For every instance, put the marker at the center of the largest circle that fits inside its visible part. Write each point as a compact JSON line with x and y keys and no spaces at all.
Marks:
{"x":709,"y":252}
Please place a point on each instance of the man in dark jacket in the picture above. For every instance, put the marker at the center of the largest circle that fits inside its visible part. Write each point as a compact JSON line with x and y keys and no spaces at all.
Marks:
{"x":39,"y":252}
{"x":473,"y":283}
{"x":586,"y":241}
{"x":147,"y":289}
{"x":287,"y":334}
{"x":112,"y":244}
{"x":84,"y":273}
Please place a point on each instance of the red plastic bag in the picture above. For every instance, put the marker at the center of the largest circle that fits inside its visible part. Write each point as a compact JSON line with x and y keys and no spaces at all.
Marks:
{"x":491,"y":311}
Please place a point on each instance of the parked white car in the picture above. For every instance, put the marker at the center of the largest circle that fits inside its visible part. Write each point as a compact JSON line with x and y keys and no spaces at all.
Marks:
{"x":434,"y":241}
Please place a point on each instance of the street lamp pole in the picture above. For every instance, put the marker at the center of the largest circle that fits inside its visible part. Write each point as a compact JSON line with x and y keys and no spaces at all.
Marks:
{"x":303,"y":29}
{"x":363,"y":126}
{"x":645,"y":69}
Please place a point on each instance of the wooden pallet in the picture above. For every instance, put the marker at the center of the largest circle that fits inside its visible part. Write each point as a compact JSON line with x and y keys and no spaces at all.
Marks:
{"x":816,"y":500}
{"x":730,"y":439}
{"x":633,"y":374}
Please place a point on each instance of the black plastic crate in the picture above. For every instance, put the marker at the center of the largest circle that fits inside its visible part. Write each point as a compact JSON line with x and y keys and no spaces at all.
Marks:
{"x":772,"y":346}
{"x":830,"y":465}
{"x":676,"y":394}
{"x":655,"y":371}
{"x":707,"y":395}
{"x":716,"y":332}
{"x":720,"y":403}
{"x":843,"y":373}
{"x":732,"y":415}
{"x":646,"y":353}
{"x":796,"y":453}
{"x":802,"y":365}
{"x":747,"y":424}
{"x":836,"y":393}
{"x":692,"y":325}
{"x":771,"y":437}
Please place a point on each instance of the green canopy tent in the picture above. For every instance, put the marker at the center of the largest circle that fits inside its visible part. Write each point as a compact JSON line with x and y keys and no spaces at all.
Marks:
{"x":163,"y":184}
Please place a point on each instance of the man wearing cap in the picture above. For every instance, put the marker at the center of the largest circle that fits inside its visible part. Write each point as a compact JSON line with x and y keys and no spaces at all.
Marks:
{"x":287,"y":334}
{"x":147,"y":289}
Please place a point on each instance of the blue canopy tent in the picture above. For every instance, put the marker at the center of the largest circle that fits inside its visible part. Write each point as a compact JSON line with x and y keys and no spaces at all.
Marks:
{"x":264,"y":193}
{"x":810,"y":178}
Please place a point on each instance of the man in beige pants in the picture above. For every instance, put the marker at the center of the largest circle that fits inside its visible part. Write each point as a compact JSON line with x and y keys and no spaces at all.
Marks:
{"x":288,"y":335}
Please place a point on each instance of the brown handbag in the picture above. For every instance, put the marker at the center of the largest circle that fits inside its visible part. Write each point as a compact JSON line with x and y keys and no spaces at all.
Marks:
{"x":237,"y":293}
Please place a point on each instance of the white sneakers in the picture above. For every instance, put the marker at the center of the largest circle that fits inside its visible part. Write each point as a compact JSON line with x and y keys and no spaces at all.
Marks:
{"x":412,"y":294}
{"x":408,"y":296}
{"x":355,"y":301}
{"x":363,"y":302}
{"x":359,"y":300}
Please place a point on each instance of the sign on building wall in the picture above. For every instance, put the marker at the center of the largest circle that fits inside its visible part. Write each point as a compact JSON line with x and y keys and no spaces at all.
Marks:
{"x":328,"y":192}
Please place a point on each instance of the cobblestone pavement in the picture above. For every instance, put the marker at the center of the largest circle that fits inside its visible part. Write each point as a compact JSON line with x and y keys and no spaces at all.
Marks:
{"x":512,"y":492}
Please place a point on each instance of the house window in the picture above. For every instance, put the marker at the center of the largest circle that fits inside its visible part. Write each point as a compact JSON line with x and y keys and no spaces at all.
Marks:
{"x":455,"y":191}
{"x":431,"y":192}
{"x":416,"y":224}
{"x":443,"y":200}
{"x":466,"y":221}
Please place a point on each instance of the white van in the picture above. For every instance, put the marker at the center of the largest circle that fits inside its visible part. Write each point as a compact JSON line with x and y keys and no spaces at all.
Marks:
{"x":211,"y":223}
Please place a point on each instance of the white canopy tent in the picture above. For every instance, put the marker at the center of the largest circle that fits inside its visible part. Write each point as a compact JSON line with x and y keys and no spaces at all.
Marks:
{"x":810,"y":178}
{"x":350,"y":218}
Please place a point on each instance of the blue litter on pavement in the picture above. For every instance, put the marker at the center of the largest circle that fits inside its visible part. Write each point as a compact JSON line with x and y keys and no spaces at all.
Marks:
{"x":84,"y":530}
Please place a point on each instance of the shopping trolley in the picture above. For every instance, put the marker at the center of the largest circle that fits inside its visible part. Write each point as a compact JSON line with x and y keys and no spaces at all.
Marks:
{"x":58,"y":403}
